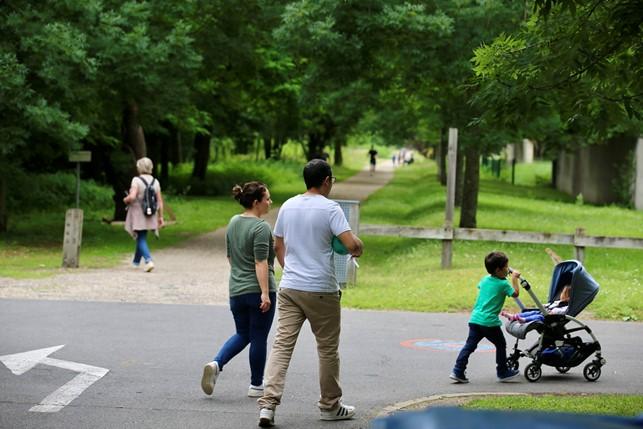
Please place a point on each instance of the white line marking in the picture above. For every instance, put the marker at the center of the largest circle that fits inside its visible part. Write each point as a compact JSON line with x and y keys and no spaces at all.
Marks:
{"x":20,"y":363}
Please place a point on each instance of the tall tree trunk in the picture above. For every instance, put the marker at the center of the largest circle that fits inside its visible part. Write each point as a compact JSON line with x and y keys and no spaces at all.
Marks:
{"x":459,"y":177}
{"x":469,"y":208}
{"x":339,"y":159}
{"x":119,"y":166}
{"x":133,"y":136}
{"x":166,"y":144}
{"x":4,"y":216}
{"x":554,"y":173}
{"x":278,"y":146}
{"x":315,"y":145}
{"x":154,"y":143}
{"x":201,"y":155}
{"x":442,"y":157}
{"x":267,"y":146}
{"x":176,"y":147}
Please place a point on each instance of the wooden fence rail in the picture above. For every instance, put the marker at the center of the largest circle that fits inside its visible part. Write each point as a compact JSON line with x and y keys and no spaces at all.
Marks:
{"x":579,"y":240}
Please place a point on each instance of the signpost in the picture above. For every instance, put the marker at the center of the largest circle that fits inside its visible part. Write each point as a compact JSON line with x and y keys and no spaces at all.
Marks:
{"x":447,"y":244}
{"x":74,"y":217}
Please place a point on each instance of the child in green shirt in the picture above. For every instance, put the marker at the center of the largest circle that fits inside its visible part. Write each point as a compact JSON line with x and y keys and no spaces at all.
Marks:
{"x":484,"y":321}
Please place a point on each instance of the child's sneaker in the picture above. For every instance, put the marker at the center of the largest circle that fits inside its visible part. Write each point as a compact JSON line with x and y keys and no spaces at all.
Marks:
{"x":255,"y":391}
{"x":209,"y":379}
{"x":340,"y":412}
{"x":509,"y":374}
{"x":149,"y":266}
{"x":458,"y":376}
{"x":266,"y":418}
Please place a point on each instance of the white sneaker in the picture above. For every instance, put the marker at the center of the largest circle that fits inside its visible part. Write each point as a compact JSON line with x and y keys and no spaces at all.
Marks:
{"x":266,"y":418}
{"x":149,"y":266}
{"x":340,"y":412}
{"x":209,"y":379}
{"x":255,"y":391}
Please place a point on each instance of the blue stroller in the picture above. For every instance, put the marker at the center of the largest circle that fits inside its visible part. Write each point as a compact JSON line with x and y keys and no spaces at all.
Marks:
{"x":558,"y":345}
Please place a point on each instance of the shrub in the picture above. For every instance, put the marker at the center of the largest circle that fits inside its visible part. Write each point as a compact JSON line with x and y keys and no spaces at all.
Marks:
{"x":53,"y":191}
{"x":220,"y":177}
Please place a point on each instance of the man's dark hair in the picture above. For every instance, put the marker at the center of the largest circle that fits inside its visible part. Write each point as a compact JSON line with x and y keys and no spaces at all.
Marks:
{"x":495,"y":260}
{"x":315,"y":172}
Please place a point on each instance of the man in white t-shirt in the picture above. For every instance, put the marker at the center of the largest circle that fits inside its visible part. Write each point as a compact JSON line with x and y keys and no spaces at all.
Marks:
{"x":309,"y":291}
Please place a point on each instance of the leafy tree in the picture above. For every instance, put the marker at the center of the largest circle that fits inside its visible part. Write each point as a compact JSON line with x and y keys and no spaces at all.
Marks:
{"x":91,"y":73}
{"x":577,"y":59}
{"x":346,"y":53}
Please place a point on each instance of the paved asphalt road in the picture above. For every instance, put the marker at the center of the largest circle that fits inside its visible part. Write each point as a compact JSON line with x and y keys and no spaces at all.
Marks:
{"x":155,"y":355}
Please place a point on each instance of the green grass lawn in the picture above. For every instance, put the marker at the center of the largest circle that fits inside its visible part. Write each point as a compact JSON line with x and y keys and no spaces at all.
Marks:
{"x":621,"y":405}
{"x":395,"y":273}
{"x":405,"y":274}
{"x":33,"y":246}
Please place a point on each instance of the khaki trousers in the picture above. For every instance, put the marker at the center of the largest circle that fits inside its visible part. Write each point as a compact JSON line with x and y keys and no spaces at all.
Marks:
{"x":323,"y":312}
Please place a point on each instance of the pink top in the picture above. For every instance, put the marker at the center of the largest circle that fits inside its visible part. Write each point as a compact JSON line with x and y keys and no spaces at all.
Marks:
{"x":136,"y":220}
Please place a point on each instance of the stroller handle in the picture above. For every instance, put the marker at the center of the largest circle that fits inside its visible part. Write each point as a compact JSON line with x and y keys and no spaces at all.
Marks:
{"x":526,"y":286}
{"x":524,"y":283}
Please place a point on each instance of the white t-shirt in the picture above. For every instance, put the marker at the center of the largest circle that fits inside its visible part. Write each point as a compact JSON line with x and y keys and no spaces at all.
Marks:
{"x":307,"y":224}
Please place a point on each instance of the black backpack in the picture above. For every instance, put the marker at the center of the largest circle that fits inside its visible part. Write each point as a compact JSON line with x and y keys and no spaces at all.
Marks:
{"x":149,"y":203}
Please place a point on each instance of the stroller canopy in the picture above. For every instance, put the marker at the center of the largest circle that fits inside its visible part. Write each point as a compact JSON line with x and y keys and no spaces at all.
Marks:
{"x":583,"y":286}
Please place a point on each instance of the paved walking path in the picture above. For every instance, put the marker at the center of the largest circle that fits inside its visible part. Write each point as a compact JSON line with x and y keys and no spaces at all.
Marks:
{"x":195,"y":272}
{"x":155,"y":353}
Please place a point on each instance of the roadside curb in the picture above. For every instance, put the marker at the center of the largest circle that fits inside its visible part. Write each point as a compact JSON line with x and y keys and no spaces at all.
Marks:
{"x":428,"y":400}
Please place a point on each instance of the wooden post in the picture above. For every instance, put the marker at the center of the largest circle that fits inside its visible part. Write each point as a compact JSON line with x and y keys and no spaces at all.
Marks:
{"x":447,"y":243}
{"x":580,"y":250}
{"x":72,"y":238}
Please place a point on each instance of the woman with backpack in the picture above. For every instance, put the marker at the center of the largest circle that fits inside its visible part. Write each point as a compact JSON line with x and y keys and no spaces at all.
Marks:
{"x":144,"y":211}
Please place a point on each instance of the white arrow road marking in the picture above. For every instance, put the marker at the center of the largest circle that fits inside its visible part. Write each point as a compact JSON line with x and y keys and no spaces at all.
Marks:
{"x":20,"y":363}
{"x":23,"y":362}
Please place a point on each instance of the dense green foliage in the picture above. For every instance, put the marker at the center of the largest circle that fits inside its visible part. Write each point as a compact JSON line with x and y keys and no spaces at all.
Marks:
{"x":183,"y":82}
{"x":576,"y":61}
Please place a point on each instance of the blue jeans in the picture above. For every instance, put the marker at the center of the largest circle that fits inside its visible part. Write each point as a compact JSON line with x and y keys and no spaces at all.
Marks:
{"x":476,"y":334}
{"x":142,"y":249}
{"x":252,"y":328}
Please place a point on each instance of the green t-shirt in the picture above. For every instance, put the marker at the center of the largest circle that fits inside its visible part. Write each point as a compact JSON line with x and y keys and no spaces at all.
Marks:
{"x":491,"y":298}
{"x":249,"y":239}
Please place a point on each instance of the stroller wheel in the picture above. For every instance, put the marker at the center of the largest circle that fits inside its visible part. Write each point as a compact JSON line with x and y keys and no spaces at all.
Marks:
{"x":592,"y":371}
{"x":533,"y":372}
{"x":513,"y":364}
{"x":562,"y":369}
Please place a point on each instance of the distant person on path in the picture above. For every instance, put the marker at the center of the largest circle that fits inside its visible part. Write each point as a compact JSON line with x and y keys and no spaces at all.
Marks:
{"x":373,"y":158}
{"x":408,"y":157}
{"x":137,"y":224}
{"x":309,"y":291}
{"x":484,"y":321}
{"x":250,"y":249}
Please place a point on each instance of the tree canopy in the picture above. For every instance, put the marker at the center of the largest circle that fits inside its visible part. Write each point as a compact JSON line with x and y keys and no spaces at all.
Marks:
{"x":129,"y":77}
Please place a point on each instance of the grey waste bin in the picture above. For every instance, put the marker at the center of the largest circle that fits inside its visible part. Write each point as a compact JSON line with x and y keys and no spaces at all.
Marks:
{"x":345,"y":270}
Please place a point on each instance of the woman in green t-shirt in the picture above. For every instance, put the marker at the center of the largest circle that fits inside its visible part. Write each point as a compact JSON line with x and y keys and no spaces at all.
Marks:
{"x":250,"y":249}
